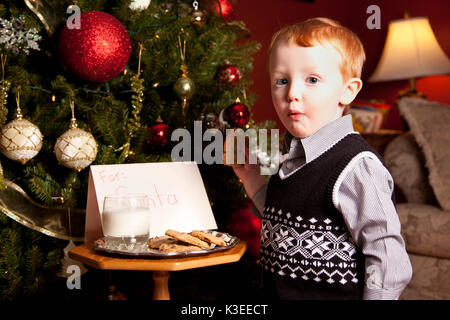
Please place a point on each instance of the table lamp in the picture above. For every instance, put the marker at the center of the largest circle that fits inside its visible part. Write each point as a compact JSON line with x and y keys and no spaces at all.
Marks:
{"x":411,"y":50}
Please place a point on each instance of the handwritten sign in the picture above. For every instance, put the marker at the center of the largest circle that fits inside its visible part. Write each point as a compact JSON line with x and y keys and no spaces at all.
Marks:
{"x":177,"y":196}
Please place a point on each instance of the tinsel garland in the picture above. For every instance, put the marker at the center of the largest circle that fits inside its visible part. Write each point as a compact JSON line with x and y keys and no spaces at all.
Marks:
{"x":134,"y":123}
{"x":4,"y":88}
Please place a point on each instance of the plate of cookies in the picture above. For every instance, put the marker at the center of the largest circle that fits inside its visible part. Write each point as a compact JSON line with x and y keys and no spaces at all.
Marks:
{"x":175,"y":244}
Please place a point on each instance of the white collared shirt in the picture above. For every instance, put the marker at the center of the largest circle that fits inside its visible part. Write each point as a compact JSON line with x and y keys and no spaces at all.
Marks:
{"x":362,"y":193}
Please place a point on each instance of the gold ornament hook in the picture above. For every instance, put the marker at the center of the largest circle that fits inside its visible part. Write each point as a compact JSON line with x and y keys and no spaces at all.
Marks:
{"x":141,"y":48}
{"x":19,"y":111}
{"x":183,"y":67}
{"x":73,"y":121}
{"x":182,"y":48}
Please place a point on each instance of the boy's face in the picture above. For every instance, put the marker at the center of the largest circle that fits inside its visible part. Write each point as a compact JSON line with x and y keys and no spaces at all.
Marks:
{"x":307,"y":86}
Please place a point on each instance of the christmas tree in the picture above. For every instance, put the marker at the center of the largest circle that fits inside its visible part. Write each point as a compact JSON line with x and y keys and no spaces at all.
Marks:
{"x":111,"y":79}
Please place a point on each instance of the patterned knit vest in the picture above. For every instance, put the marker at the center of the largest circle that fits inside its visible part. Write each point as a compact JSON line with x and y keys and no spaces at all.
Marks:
{"x":305,"y":247}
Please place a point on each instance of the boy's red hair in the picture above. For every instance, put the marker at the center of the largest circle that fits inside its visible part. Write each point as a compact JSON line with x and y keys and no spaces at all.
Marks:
{"x":327,"y":31}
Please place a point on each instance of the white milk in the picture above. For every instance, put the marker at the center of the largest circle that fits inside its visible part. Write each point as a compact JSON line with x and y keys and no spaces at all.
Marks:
{"x":129,"y":222}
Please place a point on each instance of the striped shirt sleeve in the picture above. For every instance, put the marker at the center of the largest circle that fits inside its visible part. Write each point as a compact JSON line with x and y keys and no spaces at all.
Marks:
{"x":259,"y":200}
{"x":362,"y":194}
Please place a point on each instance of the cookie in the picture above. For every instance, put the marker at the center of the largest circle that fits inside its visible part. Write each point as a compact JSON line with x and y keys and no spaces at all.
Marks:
{"x":171,"y":247}
{"x":185,"y":237}
{"x":156,"y":242}
{"x":205,"y":236}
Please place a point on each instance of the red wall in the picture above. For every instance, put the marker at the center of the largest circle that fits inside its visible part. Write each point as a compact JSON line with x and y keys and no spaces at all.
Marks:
{"x":265,"y":17}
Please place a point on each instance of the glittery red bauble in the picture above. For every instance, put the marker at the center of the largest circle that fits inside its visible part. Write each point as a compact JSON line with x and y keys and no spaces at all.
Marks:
{"x":237,"y":115}
{"x":246,"y":226}
{"x":221,"y":7}
{"x":229,"y":74}
{"x":98,"y":51}
{"x":159,"y":135}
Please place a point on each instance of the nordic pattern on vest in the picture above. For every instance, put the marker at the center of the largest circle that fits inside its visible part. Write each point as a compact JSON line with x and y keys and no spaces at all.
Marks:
{"x":310,"y":249}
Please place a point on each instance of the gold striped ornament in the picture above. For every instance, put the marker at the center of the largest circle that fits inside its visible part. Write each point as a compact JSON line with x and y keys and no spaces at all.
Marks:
{"x":75,"y":149}
{"x":20,"y":140}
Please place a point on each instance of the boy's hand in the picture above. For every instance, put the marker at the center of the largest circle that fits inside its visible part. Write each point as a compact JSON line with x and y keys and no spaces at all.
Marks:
{"x":246,"y":171}
{"x":243,"y":170}
{"x":250,"y":174}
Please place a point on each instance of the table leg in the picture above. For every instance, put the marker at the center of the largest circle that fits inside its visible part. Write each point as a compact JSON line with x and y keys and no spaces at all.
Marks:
{"x":161,"y":285}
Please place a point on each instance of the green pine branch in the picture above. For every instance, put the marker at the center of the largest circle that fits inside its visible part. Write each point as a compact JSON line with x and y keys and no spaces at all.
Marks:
{"x":10,"y":262}
{"x":32,"y":262}
{"x":43,"y":186}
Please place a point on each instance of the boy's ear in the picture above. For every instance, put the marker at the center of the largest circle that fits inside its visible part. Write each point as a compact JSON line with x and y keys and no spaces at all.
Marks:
{"x":351,"y":89}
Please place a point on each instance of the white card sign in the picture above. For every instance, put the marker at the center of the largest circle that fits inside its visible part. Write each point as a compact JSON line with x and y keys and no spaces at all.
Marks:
{"x":176,"y":192}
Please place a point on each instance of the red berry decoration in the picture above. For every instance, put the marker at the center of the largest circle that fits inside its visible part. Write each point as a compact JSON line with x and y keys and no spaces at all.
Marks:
{"x":224,"y":8}
{"x":229,"y":74}
{"x":237,"y":115}
{"x":159,"y":135}
{"x":98,"y":51}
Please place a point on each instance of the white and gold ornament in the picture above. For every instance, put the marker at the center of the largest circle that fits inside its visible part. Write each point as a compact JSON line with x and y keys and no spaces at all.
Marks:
{"x":20,"y":139}
{"x":75,"y":149}
{"x":139,"y":4}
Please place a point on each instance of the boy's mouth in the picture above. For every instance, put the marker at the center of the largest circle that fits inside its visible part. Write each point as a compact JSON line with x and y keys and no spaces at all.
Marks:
{"x":295,"y":115}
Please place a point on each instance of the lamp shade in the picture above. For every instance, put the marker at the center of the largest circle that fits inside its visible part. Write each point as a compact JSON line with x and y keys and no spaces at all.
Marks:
{"x":411,"y":50}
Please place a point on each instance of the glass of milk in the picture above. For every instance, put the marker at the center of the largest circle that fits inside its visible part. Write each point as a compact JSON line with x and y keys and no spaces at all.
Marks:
{"x":126,"y":221}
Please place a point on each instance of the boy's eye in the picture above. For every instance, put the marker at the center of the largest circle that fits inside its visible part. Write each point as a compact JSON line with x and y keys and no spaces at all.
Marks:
{"x":281,"y":81}
{"x":312,"y":80}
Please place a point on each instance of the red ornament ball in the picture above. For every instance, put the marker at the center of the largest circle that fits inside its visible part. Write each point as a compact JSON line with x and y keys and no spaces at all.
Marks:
{"x":99,"y":51}
{"x":224,"y":8}
{"x":229,"y":74}
{"x":159,"y":135}
{"x":237,"y":115}
{"x":246,"y":226}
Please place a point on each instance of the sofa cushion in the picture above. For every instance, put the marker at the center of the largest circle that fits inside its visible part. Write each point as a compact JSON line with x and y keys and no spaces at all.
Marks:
{"x":406,"y":164}
{"x":430,"y":125}
{"x":430,"y":279}
{"x":426,"y":229}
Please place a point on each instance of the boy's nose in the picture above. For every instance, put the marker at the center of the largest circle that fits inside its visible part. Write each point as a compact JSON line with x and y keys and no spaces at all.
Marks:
{"x":294,"y":93}
{"x":293,"y":98}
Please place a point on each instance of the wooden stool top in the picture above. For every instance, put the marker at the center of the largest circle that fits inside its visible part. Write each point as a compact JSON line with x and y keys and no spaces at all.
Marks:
{"x":86,"y":254}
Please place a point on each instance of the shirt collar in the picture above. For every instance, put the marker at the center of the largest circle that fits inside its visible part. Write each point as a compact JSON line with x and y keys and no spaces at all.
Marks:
{"x":313,"y":146}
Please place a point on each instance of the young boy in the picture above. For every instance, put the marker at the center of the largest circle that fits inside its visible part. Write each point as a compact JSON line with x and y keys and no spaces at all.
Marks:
{"x":330,"y":229}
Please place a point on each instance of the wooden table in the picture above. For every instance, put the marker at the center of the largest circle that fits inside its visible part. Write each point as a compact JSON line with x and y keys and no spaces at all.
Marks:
{"x":86,"y":254}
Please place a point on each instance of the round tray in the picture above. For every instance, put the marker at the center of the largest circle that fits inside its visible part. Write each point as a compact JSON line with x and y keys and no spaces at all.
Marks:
{"x":142,"y":250}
